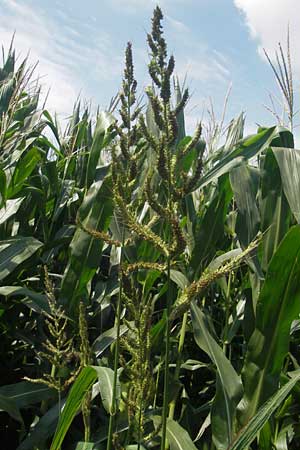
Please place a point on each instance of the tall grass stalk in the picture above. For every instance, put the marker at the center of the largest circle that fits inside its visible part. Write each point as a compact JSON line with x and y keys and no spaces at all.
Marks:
{"x":127,"y":97}
{"x":164,"y":443}
{"x":116,"y":353}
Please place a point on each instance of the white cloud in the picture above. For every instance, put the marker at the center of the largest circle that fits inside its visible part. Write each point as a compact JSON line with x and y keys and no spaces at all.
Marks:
{"x":204,"y":69}
{"x":177,"y":24}
{"x":63,"y":60}
{"x":34,"y":34}
{"x":268,"y":22}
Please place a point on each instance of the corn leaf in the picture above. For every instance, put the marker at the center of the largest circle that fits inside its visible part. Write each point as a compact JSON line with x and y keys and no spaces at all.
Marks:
{"x":23,"y":169}
{"x":106,"y":380}
{"x":228,"y":388}
{"x":95,"y":212}
{"x":83,"y":383}
{"x":274,"y":208}
{"x":288,"y":160}
{"x":249,"y":432}
{"x":77,"y":393}
{"x":14,"y":252}
{"x":177,"y":436}
{"x":9,"y":405}
{"x":25,"y":393}
{"x":249,"y":148}
{"x":102,"y":137}
{"x":278,"y":305}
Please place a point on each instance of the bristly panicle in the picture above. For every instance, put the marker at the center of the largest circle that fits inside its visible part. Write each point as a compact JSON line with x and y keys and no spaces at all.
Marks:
{"x":160,"y":68}
{"x":181,"y":105}
{"x":193,"y":142}
{"x":146,"y":134}
{"x":128,"y":130}
{"x":129,"y":83}
{"x":157,"y":108}
{"x":136,"y":346}
{"x":151,"y":197}
{"x":59,"y":347}
{"x":172,"y":128}
{"x":143,"y":231}
{"x":101,"y":235}
{"x":162,"y":161}
{"x":156,"y":41}
{"x":179,"y":244}
{"x":207,"y":278}
{"x":143,"y":265}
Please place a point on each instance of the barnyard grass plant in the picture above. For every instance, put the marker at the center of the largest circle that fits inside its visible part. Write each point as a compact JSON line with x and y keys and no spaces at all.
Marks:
{"x":169,"y":263}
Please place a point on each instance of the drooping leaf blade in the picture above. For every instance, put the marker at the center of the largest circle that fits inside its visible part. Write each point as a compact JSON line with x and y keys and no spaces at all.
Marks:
{"x":106,"y":379}
{"x":8,"y":405}
{"x":24,"y":393}
{"x":247,"y":149}
{"x":177,"y":436}
{"x":10,"y":208}
{"x":228,"y":388}
{"x":14,"y":252}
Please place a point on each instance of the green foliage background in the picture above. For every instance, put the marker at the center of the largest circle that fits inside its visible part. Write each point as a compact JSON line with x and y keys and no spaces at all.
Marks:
{"x":150,"y":292}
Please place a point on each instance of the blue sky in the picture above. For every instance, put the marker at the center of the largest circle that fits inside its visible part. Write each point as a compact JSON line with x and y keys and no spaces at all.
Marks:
{"x":216,"y":43}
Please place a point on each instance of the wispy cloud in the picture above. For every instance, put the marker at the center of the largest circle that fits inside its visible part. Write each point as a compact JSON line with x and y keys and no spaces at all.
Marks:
{"x":34,"y":34}
{"x":64,"y":57}
{"x":177,"y":25}
{"x":205,"y":70}
{"x":271,"y":27}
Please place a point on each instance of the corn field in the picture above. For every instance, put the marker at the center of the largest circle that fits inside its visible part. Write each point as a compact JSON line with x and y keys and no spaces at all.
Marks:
{"x":149,"y":280}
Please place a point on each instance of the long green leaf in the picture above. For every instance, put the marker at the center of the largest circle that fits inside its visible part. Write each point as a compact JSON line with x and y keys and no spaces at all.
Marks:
{"x":2,"y":186}
{"x":83,"y":383}
{"x":243,"y":181}
{"x":278,"y":305}
{"x":288,"y":160}
{"x":34,"y":300}
{"x":274,"y":209}
{"x":135,"y":447}
{"x":14,"y":252}
{"x":85,"y":446}
{"x":8,"y":405}
{"x":42,"y":430}
{"x":102,"y":136}
{"x":106,"y":380}
{"x":77,"y":393}
{"x":249,"y":432}
{"x":24,"y":393}
{"x":23,"y":169}
{"x":229,"y":387}
{"x":10,"y":208}
{"x":95,"y":212}
{"x":249,"y":148}
{"x":177,"y":436}
{"x":209,"y":230}
{"x":107,"y":338}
